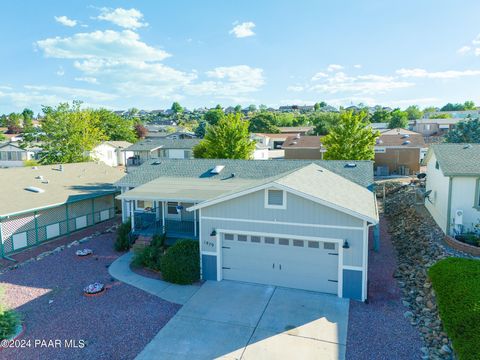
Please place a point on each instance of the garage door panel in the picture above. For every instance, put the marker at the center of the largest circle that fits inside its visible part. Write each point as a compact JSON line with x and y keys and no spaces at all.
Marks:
{"x":304,"y":267}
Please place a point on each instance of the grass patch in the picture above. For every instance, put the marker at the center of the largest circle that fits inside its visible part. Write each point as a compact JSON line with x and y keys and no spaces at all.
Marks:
{"x":457,"y":286}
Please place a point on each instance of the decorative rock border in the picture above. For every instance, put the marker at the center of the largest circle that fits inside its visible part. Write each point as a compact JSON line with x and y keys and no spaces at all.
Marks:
{"x":458,"y":245}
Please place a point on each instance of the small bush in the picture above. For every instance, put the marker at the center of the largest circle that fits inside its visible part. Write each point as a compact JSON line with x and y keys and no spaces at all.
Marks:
{"x":123,"y":243}
{"x":8,"y":319}
{"x":181,"y":263}
{"x":150,"y":256}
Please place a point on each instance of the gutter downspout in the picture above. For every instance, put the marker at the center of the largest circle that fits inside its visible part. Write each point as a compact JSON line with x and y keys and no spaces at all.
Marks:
{"x":449,"y":205}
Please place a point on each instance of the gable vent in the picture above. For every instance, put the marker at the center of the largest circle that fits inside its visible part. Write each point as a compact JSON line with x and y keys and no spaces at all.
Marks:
{"x":217,"y":169}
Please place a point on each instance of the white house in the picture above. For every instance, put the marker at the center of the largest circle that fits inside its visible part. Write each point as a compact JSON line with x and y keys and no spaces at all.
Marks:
{"x":12,"y":155}
{"x":453,"y":186}
{"x":112,"y":153}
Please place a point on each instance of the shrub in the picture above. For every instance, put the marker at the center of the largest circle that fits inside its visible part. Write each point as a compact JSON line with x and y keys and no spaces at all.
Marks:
{"x":123,"y":242}
{"x":181,"y":263}
{"x":150,"y":256}
{"x":8,"y":320}
{"x":456,"y":283}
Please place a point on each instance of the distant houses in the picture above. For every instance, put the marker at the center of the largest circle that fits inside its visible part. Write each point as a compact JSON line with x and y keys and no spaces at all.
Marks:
{"x":13,"y":155}
{"x":112,"y":153}
{"x":160,"y":149}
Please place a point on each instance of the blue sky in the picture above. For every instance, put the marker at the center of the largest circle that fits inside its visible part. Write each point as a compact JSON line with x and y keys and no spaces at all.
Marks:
{"x":147,"y":54}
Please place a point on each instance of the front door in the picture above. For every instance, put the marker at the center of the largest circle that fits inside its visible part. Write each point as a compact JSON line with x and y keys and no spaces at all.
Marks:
{"x":172,"y":212}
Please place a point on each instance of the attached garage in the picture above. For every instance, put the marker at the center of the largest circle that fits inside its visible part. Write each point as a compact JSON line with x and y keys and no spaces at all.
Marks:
{"x":302,"y":263}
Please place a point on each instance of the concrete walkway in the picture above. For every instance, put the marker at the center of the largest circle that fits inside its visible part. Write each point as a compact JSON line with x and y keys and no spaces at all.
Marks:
{"x":179,"y":294}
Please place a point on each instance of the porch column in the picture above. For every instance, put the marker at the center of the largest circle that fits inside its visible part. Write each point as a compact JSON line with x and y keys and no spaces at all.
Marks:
{"x":194,"y":222}
{"x":157,"y":210}
{"x":132,"y":215}
{"x":163,"y":215}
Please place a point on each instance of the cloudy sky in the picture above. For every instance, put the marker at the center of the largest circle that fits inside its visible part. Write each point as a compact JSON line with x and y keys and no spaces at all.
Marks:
{"x":147,"y":54}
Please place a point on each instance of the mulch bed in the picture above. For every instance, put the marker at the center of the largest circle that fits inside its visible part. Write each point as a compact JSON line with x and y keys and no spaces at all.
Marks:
{"x":378,"y":330}
{"x":117,"y":324}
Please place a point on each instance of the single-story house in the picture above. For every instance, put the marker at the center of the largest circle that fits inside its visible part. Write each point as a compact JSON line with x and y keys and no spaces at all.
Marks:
{"x":260,"y":152}
{"x":303,"y":147}
{"x":453,"y":186}
{"x":302,"y":130}
{"x":293,"y":223}
{"x":161,"y":149}
{"x":13,"y":155}
{"x":272,"y":141}
{"x":112,"y":153}
{"x":434,"y":127}
{"x":399,"y":152}
{"x":40,"y":203}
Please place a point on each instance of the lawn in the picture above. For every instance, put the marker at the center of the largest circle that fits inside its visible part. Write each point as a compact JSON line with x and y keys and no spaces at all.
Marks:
{"x":457,"y":286}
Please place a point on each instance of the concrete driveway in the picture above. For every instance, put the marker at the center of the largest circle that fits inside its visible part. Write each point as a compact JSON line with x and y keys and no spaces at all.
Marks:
{"x":233,"y":320}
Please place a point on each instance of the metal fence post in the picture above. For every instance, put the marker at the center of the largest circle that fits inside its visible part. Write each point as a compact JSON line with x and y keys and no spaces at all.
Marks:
{"x":93,"y":211}
{"x":1,"y":240}
{"x":36,"y":226}
{"x":68,"y":218}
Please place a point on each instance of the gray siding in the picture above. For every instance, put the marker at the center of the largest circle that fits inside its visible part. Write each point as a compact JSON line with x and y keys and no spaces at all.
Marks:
{"x":209,"y":267}
{"x":352,"y":284}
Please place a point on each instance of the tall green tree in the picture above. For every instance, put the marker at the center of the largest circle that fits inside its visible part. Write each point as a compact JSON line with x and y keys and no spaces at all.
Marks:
{"x":350,"y":139}
{"x":213,"y":116}
{"x":14,"y":123}
{"x":323,"y":121}
{"x":399,"y":119}
{"x":27,"y":115}
{"x":263,"y":122}
{"x":469,"y":105}
{"x":69,"y":133}
{"x":115,"y":127}
{"x":464,"y":132}
{"x":414,"y":112}
{"x":177,"y":108}
{"x":381,"y":116}
{"x":228,"y":139}
{"x":237,"y":108}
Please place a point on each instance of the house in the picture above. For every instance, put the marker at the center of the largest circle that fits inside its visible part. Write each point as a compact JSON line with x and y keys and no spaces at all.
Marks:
{"x":112,"y":153}
{"x":434,"y":127}
{"x":272,"y":141}
{"x":261,"y":152}
{"x":40,"y":203}
{"x":293,"y":223}
{"x":13,"y":155}
{"x":161,"y":149}
{"x":302,"y":130}
{"x":453,"y":186}
{"x":303,"y":147}
{"x":462,"y":114}
{"x":399,"y":152}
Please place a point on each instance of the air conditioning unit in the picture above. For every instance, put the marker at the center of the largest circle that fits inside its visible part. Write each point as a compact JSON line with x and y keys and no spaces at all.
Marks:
{"x":458,"y":217}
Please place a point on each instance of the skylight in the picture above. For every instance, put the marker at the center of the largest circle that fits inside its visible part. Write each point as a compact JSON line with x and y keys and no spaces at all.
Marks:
{"x":217,"y":169}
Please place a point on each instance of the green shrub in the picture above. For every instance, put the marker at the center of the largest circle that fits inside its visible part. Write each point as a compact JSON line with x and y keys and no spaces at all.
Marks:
{"x":8,"y":324}
{"x":150,"y":256}
{"x":181,"y":263}
{"x":456,"y":283}
{"x":123,"y":242}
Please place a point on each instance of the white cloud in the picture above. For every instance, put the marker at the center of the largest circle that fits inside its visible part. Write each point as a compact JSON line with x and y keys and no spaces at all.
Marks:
{"x":464,"y":50}
{"x":357,"y":66}
{"x":334,"y":67}
{"x":87,"y":79}
{"x":318,"y":76}
{"x":71,"y":93}
{"x":60,"y":71}
{"x":448,"y":74}
{"x":128,"y":19}
{"x":242,"y":30}
{"x":65,"y":21}
{"x":295,"y":88}
{"x":106,"y":44}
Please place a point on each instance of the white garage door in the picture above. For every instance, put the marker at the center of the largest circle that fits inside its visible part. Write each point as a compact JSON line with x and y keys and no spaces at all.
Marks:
{"x":302,"y":264}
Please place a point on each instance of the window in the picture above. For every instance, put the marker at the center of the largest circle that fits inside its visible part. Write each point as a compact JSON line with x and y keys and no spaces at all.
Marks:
{"x":144,"y":204}
{"x":275,"y":199}
{"x":437,"y":165}
{"x":298,"y":243}
{"x":242,"y":237}
{"x":329,"y":246}
{"x":283,"y":241}
{"x":255,"y":239}
{"x":172,"y":208}
{"x":269,"y":240}
{"x":313,"y":244}
{"x":228,"y":236}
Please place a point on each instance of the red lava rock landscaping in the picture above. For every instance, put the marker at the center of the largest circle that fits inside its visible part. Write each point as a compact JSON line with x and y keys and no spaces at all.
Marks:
{"x":49,"y":296}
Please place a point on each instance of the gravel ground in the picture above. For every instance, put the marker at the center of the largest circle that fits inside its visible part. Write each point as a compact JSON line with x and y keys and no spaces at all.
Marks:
{"x":378,"y":330}
{"x":115,"y":325}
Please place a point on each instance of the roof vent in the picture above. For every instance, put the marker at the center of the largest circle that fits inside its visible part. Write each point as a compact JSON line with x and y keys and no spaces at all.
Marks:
{"x":39,"y":177}
{"x":406,"y":136}
{"x":34,"y":189}
{"x":406,"y":142}
{"x":217,"y":169}
{"x":156,"y":162}
{"x":294,"y":143}
{"x":379,"y":141}
{"x":468,"y":146}
{"x":34,"y":167}
{"x":351,"y":165}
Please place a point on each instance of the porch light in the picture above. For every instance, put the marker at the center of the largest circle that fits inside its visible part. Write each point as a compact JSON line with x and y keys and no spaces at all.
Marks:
{"x":213,"y":233}
{"x":346,"y":245}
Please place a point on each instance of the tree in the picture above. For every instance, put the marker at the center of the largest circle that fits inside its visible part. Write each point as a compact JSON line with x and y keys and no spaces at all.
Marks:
{"x":429,"y":109}
{"x":453,"y":107}
{"x":252,"y":108}
{"x":177,"y":108}
{"x":132,"y":113}
{"x":27,"y":115}
{"x":440,"y":116}
{"x":3,"y":120}
{"x":399,"y":119}
{"x":465,"y":132}
{"x":201,"y":129}
{"x":413,"y":112}
{"x":228,"y":139}
{"x":213,"y":116}
{"x":263,"y":122}
{"x":14,"y":123}
{"x":69,"y":133}
{"x":114,"y":127}
{"x":323,"y":121}
{"x":381,"y":116}
{"x":469,"y":105}
{"x":350,"y":139}
{"x":237,"y":109}
{"x":140,"y":130}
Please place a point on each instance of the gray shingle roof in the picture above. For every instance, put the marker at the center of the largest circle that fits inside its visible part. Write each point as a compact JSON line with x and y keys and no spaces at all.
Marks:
{"x":361,"y":174}
{"x":458,"y":159}
{"x":150,"y":144}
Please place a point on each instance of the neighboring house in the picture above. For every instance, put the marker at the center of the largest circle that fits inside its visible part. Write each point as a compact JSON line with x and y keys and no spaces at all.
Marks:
{"x":272,"y":141}
{"x":453,"y":186}
{"x":112,"y":153}
{"x":40,"y":203}
{"x":12,"y":155}
{"x":399,"y":152}
{"x":161,"y":149}
{"x":379,"y":126}
{"x":454,"y":114}
{"x":261,"y":152}
{"x":292,"y":223}
{"x":303,"y":147}
{"x":435,"y":127}
{"x":302,"y":130}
